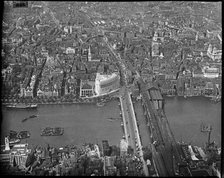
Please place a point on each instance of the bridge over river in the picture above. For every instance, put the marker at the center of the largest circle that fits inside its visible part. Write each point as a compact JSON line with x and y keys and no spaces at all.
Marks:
{"x":161,"y":140}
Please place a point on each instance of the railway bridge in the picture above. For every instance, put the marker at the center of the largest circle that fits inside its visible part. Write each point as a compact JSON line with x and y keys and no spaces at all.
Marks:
{"x":161,"y":140}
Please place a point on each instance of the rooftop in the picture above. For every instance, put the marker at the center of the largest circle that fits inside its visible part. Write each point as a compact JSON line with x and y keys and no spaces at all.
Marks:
{"x":105,"y":77}
{"x":155,"y":93}
{"x":86,"y":86}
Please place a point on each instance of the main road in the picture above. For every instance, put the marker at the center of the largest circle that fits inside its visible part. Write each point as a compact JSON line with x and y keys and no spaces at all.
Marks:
{"x":165,"y":154}
{"x":126,"y":103}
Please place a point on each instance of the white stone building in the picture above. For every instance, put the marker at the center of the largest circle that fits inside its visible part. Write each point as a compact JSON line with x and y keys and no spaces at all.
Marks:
{"x":106,"y":83}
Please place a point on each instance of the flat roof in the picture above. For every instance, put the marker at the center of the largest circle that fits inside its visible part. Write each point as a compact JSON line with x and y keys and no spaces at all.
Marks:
{"x":155,"y":94}
{"x":103,"y":79}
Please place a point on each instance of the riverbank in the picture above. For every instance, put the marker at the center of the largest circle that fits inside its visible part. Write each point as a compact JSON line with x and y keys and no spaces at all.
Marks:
{"x":67,"y":99}
{"x":55,"y":103}
{"x":73,"y":100}
{"x":58,"y":100}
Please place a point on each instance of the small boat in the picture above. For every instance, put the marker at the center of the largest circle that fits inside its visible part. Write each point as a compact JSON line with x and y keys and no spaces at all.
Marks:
{"x":23,"y":134}
{"x":48,"y":131}
{"x":22,"y":106}
{"x":25,"y":119}
{"x":216,"y":98}
{"x":110,"y":119}
{"x":208,"y":96}
{"x":100,"y":104}
{"x":32,"y":116}
{"x":113,"y":118}
{"x":58,"y":131}
{"x":170,"y":95}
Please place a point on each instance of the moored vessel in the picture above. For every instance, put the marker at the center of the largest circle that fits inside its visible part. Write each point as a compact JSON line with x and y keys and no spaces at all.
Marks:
{"x":14,"y":141}
{"x":198,"y":161}
{"x":216,"y":98}
{"x":23,"y":134}
{"x":32,"y":116}
{"x":100,"y":104}
{"x":22,"y":106}
{"x":49,"y":131}
{"x":170,"y":95}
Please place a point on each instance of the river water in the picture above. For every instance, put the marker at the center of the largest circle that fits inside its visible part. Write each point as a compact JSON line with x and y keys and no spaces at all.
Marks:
{"x":81,"y":123}
{"x":89,"y":123}
{"x":185,"y":116}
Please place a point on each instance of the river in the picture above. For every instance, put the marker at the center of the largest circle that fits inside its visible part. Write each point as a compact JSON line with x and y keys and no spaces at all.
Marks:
{"x":89,"y":123}
{"x":185,"y":116}
{"x":81,"y":123}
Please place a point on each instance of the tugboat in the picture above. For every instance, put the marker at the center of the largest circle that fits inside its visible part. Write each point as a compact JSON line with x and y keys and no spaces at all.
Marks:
{"x":48,"y":131}
{"x":32,"y":116}
{"x":57,"y":131}
{"x":23,"y":134}
{"x":22,"y":106}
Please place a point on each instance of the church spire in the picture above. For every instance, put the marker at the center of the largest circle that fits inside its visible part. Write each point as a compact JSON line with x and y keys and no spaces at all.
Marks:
{"x":89,"y":54}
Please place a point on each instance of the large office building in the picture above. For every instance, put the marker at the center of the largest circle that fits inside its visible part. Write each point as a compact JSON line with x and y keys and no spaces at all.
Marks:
{"x":106,"y":83}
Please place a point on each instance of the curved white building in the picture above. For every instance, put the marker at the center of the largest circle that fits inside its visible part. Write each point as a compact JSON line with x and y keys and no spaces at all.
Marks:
{"x":211,"y":72}
{"x":106,"y":83}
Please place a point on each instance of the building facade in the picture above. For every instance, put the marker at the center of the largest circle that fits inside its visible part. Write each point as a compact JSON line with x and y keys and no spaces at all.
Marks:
{"x":86,"y":88}
{"x":211,"y":72}
{"x":214,"y":53}
{"x":106,"y":83}
{"x":70,"y":50}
